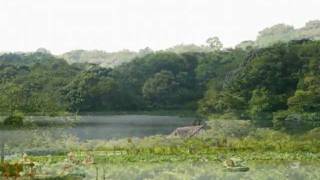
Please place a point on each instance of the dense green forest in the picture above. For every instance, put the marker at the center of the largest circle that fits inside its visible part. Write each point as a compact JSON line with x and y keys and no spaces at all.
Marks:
{"x":274,"y":86}
{"x":273,"y":81}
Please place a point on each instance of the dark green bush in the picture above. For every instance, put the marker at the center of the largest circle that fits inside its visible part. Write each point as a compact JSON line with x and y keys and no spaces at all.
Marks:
{"x":15,"y":120}
{"x":295,"y":122}
{"x":313,"y":134}
{"x":279,"y":118}
{"x":262,"y":119}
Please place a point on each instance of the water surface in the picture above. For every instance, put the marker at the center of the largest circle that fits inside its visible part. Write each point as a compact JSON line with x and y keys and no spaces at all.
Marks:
{"x":105,"y":127}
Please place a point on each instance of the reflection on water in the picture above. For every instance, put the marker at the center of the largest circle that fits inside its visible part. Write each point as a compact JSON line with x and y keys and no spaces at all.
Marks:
{"x":111,"y":127}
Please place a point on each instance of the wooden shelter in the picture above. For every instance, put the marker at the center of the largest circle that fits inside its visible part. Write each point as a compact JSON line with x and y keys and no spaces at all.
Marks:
{"x":187,"y":132}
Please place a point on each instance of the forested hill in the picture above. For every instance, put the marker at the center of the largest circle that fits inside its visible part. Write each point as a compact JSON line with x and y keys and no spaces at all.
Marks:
{"x":266,"y":37}
{"x":284,"y":33}
{"x":113,"y":59}
{"x":28,"y":59}
{"x":274,"y":86}
{"x":160,"y":80}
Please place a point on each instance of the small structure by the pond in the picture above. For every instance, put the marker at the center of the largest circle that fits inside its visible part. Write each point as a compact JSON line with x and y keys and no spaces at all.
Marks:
{"x":187,"y":132}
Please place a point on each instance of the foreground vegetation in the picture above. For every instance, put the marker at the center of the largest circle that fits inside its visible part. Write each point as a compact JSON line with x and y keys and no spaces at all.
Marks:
{"x":223,"y":139}
{"x":184,"y":170}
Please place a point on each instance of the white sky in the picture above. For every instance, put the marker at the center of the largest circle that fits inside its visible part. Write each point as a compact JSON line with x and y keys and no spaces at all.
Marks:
{"x":63,"y":25}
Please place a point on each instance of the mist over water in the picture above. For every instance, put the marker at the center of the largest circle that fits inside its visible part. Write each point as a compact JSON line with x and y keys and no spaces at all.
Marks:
{"x":108,"y":127}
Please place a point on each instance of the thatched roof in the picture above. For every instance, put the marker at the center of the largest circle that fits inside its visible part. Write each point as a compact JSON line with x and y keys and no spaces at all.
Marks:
{"x":188,"y":131}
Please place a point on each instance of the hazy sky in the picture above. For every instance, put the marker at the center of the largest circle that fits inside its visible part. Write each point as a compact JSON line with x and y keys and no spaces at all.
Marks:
{"x":63,"y":25}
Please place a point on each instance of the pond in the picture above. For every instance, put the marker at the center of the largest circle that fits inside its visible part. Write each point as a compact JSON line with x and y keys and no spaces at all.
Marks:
{"x":105,"y":127}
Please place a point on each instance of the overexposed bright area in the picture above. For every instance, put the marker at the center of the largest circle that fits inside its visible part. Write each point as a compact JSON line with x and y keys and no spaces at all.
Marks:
{"x":111,"y":25}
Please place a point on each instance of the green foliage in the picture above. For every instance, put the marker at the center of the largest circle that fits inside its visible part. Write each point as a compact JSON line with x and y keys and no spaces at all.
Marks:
{"x":214,"y":43}
{"x":11,"y":97}
{"x":296,"y":122}
{"x":216,"y":102}
{"x":39,"y":82}
{"x":144,"y":166}
{"x":223,"y":140}
{"x":93,"y":89}
{"x":307,"y":96}
{"x":215,"y":71}
{"x":281,"y":78}
{"x":301,"y":101}
{"x":215,"y":67}
{"x":14,"y":120}
{"x":32,"y":82}
{"x":174,"y":73}
{"x":279,"y":118}
{"x":219,"y":129}
{"x":10,"y":170}
{"x":161,"y":89}
{"x":260,"y":107}
{"x":244,"y":82}
{"x":275,"y":34}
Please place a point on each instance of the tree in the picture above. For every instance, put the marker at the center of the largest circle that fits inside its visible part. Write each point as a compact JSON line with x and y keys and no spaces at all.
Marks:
{"x":275,"y":34}
{"x":260,"y":107}
{"x":307,"y":96}
{"x":93,"y":90}
{"x":211,"y":104}
{"x":214,"y":43}
{"x":214,"y":67}
{"x":160,"y":89}
{"x":218,"y":102}
{"x":11,"y":98}
{"x":302,"y":101}
{"x":46,"y":103}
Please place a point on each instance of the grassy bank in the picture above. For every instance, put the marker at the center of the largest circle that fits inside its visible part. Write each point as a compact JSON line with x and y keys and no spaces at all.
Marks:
{"x":218,"y":156}
{"x":182,"y":113}
{"x":67,"y":118}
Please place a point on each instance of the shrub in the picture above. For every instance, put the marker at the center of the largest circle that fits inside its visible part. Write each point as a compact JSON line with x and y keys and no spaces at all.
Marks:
{"x":279,"y":118}
{"x":295,"y":122}
{"x":15,"y":120}
{"x":313,"y":134}
{"x":262,"y":119}
{"x":227,"y":128}
{"x":11,"y":170}
{"x":312,"y":120}
{"x":268,"y":134}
